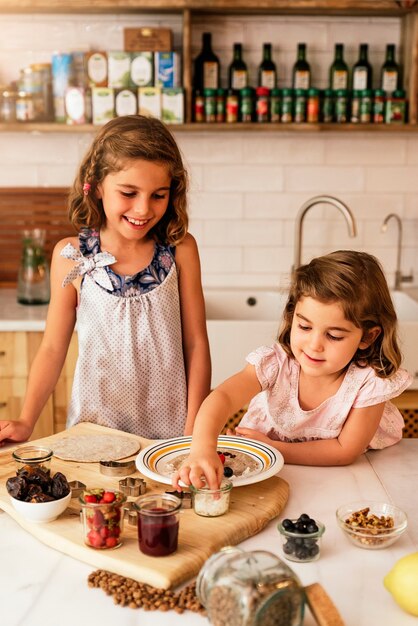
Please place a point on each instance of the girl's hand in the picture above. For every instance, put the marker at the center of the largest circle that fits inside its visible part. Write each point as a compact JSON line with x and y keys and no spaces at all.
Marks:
{"x":14,"y":431}
{"x":252,"y":434}
{"x":197,"y":469}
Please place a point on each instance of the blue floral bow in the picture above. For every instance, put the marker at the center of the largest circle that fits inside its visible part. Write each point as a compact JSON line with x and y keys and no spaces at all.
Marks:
{"x":93,"y":266}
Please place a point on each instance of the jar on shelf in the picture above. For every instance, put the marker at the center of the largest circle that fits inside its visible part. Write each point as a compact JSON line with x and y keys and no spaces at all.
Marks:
{"x":220,"y":105}
{"x":232,"y":106}
{"x":355,"y":106}
{"x":395,"y":111}
{"x":7,"y":105}
{"x":379,"y":102}
{"x":210,"y":105}
{"x":33,"y":276}
{"x":366,"y":106}
{"x":327,"y":113}
{"x":42,"y":73}
{"x":312,"y":106}
{"x":286,"y":115}
{"x":262,"y":104}
{"x":275,"y":105}
{"x":198,"y":106}
{"x":300,"y":106}
{"x":247,"y":105}
{"x":256,"y":588}
{"x":25,"y":107}
{"x":341,"y":105}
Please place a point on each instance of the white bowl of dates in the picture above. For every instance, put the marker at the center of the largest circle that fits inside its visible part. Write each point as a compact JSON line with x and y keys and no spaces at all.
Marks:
{"x":34,"y":456}
{"x":301,"y":538}
{"x":102,"y":517}
{"x":371,"y":525}
{"x":36,"y":495}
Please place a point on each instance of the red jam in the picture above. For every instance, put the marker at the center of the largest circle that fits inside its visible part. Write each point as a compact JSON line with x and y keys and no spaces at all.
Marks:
{"x":158,"y":532}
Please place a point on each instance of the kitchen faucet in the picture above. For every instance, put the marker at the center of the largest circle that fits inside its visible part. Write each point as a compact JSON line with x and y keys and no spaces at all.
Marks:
{"x":399,"y":277}
{"x":343,"y":208}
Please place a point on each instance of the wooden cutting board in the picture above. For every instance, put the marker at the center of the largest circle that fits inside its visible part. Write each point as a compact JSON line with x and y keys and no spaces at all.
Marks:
{"x":252,"y":507}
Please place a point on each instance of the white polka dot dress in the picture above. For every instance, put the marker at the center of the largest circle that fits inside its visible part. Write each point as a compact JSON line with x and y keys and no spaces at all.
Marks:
{"x":130,"y":373}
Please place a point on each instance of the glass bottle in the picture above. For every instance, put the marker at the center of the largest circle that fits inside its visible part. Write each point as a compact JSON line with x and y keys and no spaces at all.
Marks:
{"x":238,"y":72}
{"x":301,"y":74}
{"x":362,"y":70}
{"x":390,"y":74}
{"x":328,"y":106}
{"x":338,"y":72}
{"x":256,"y":588}
{"x":33,"y":277}
{"x":267,"y":73}
{"x":206,"y":66}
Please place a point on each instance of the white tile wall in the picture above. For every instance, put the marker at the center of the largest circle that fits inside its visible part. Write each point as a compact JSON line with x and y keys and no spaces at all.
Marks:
{"x":246,"y":188}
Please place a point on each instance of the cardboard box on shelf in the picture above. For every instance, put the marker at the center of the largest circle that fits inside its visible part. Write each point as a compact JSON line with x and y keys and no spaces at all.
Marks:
{"x":149,"y":101}
{"x":147,"y":39}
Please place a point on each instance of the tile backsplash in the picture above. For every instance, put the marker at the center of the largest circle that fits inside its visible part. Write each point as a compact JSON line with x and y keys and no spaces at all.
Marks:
{"x":246,"y":188}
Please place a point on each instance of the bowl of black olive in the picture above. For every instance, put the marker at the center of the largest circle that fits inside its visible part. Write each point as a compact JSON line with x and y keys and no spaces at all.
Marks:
{"x":36,"y":495}
{"x":301,"y":538}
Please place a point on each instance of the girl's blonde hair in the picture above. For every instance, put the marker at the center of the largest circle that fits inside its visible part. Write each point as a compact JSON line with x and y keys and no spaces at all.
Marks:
{"x":356,"y":281}
{"x":121,"y":140}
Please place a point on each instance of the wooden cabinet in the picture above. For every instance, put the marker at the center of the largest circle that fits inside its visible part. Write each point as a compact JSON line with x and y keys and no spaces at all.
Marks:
{"x":405,"y":10}
{"x":17,"y":351}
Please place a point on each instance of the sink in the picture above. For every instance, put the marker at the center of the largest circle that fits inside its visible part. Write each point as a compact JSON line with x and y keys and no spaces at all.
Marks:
{"x":240,"y":320}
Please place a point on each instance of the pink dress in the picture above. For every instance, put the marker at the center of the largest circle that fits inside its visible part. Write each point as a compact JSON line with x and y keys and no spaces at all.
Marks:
{"x":275,"y":411}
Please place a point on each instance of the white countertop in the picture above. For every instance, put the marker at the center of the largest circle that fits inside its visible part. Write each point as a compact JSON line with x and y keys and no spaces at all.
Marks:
{"x":42,"y":587}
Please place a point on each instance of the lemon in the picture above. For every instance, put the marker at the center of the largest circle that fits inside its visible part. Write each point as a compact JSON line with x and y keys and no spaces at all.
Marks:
{"x":402,"y":583}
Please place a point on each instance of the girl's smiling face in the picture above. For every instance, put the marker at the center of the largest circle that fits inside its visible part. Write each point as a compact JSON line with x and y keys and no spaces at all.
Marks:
{"x":135,"y":198}
{"x":322,"y":340}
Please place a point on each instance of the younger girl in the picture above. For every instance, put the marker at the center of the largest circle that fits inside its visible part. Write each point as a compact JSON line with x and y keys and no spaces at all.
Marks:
{"x":320,"y":394}
{"x":131,"y":281}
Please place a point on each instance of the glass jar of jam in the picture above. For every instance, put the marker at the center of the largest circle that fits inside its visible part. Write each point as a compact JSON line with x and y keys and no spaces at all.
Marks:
{"x":247,"y":105}
{"x":262,"y":104}
{"x":250,"y":589}
{"x":199,"y":106}
{"x":379,"y":102}
{"x":286,"y":115}
{"x":312,"y":106}
{"x":158,"y":523}
{"x":327,"y":115}
{"x":210,"y":105}
{"x":275,"y":105}
{"x":7,"y":104}
{"x":232,"y":103}
{"x":220,"y":105}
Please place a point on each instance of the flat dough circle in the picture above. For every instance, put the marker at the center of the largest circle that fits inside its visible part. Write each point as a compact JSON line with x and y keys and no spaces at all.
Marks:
{"x":92,"y":448}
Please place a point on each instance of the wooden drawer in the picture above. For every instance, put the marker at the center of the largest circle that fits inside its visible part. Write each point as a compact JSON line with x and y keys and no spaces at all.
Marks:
{"x":17,"y":351}
{"x":12,"y":394}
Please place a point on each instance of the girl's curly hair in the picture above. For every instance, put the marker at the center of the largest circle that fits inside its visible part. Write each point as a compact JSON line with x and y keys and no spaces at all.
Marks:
{"x":356,"y":281}
{"x":119,"y":141}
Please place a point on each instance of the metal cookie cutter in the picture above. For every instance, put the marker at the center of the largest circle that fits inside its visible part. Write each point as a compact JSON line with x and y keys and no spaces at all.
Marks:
{"x":133,"y":486}
{"x":117,"y":468}
{"x":76,"y":488}
{"x":185,"y":497}
{"x":129,"y":513}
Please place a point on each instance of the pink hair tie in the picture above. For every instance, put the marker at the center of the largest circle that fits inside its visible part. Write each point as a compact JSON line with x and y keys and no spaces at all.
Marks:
{"x":86,"y":188}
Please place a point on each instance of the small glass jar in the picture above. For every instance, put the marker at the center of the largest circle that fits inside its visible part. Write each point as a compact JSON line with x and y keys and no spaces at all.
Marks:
{"x":312,"y":106}
{"x":232,"y":106}
{"x":355,"y":106}
{"x":102,"y":521}
{"x":341,"y":101}
{"x":246,"y":105}
{"x":286,"y":115}
{"x":25,"y":107}
{"x":379,"y":102}
{"x":328,"y":103}
{"x":301,"y":547}
{"x":210,"y":105}
{"x":256,"y":588}
{"x":300,"y":106}
{"x":262,"y":104}
{"x":395,"y":111}
{"x":7,"y":105}
{"x":211,"y":502}
{"x":158,"y":523}
{"x":33,"y":278}
{"x":366,"y":106}
{"x":199,"y":107}
{"x":220,"y":105}
{"x":33,"y":456}
{"x":275,"y":105}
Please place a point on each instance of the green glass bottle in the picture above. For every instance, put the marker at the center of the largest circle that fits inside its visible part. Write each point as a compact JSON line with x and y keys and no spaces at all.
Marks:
{"x":301,"y":74}
{"x":238,"y":72}
{"x":267,"y":73}
{"x":390,"y":79}
{"x":362,"y":70}
{"x":338,"y":72}
{"x":206,"y":66}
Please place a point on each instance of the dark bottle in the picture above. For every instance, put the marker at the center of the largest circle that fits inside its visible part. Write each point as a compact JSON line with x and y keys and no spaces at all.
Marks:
{"x":301,"y":74}
{"x":267,"y":73}
{"x":390,"y":73}
{"x":238,"y":73}
{"x":338,"y":72}
{"x":362,"y":70}
{"x":206,"y":66}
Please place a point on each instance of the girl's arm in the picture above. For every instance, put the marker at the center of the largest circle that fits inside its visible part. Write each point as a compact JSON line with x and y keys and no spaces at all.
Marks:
{"x":195,"y":338}
{"x":49,"y":359}
{"x":225,"y":400}
{"x":356,"y":434}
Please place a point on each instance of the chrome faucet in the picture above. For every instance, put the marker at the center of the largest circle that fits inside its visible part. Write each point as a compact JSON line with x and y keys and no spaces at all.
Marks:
{"x":399,"y":277}
{"x":343,"y":208}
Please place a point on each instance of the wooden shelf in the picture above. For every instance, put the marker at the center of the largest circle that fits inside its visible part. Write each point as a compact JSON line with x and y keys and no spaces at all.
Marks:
{"x":41,"y":128}
{"x":306,"y":7}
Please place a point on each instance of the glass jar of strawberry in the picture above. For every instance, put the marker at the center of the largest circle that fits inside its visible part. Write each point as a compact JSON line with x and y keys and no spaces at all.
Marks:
{"x":101,"y":511}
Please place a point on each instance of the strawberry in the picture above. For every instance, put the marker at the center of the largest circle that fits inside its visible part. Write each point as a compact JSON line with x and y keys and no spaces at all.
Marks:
{"x":90,"y":497}
{"x":104,"y":532}
{"x":221,"y":457}
{"x":94,"y":538}
{"x":108,"y":497}
{"x":98,"y":520}
{"x":111,"y":542}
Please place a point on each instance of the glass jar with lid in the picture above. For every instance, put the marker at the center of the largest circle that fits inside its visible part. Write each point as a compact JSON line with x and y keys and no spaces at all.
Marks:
{"x":256,"y":588}
{"x":7,"y":104}
{"x":25,"y":107}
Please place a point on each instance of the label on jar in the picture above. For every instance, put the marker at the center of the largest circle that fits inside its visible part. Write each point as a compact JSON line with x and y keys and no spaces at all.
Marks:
{"x":268,"y":79}
{"x":340,"y":79}
{"x":302,"y":79}
{"x":389,"y":80}
{"x":360,"y":79}
{"x":210,"y":75}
